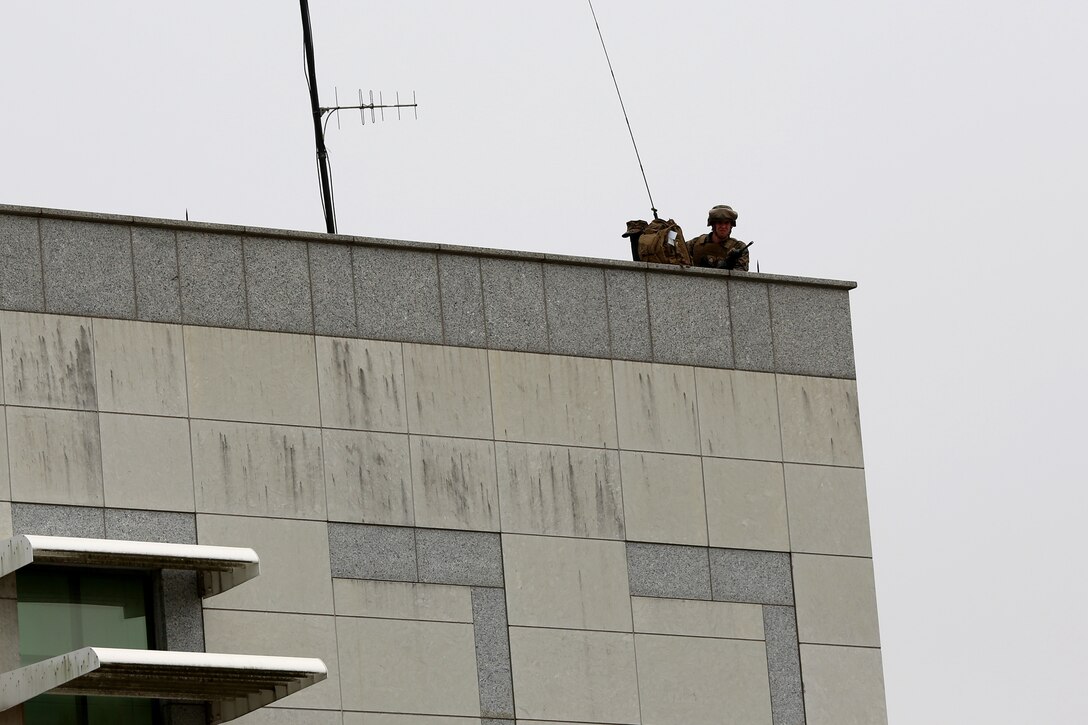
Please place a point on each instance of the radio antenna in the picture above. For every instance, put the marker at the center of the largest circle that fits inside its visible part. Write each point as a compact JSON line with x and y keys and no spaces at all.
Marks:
{"x":623,"y":108}
{"x":321,"y":115}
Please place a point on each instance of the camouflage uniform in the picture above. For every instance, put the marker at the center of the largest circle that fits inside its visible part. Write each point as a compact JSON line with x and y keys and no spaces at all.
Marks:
{"x":708,"y":253}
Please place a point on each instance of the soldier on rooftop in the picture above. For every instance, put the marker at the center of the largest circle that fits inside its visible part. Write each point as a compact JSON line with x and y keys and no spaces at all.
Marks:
{"x":718,"y":248}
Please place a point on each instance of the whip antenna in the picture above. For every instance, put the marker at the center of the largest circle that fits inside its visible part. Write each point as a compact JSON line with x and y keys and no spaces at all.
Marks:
{"x":623,"y":108}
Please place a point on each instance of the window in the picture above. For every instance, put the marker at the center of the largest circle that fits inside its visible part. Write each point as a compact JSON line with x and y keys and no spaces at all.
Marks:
{"x":62,"y":609}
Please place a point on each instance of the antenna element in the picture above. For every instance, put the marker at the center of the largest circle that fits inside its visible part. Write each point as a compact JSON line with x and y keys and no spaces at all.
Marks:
{"x":321,"y":114}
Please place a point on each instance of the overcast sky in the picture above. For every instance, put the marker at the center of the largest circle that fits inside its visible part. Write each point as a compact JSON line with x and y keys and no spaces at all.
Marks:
{"x":935,"y":152}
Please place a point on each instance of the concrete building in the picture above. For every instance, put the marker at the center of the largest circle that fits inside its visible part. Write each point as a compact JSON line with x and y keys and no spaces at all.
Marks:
{"x":483,"y":486}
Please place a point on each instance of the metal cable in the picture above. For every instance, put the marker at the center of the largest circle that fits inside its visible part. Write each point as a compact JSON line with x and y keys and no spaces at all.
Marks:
{"x":623,"y":108}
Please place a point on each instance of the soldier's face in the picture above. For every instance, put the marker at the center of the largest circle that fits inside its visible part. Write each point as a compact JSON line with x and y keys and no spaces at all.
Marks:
{"x":722,"y":230}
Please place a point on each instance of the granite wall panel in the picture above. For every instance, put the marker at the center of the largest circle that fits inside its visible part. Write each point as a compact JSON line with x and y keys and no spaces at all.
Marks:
{"x":463,"y":321}
{"x":278,"y":285}
{"x":689,"y":320}
{"x":155,"y":269}
{"x":577,"y":310}
{"x":514,"y":304}
{"x":812,"y":333}
{"x":332,"y":283}
{"x":396,"y":294}
{"x":88,"y":268}
{"x":628,"y":315}
{"x":212,"y":281}
{"x":21,"y":283}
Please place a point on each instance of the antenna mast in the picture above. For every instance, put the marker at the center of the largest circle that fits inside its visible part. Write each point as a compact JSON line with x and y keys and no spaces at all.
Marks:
{"x":319,"y":134}
{"x":319,"y":113}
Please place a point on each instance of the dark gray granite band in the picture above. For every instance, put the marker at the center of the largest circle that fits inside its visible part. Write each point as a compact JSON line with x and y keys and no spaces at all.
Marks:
{"x":161,"y":270}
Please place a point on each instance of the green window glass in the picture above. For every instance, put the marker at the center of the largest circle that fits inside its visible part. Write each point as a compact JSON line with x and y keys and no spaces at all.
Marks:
{"x":61,"y":610}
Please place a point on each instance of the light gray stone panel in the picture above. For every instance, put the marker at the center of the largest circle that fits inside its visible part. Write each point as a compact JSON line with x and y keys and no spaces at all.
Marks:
{"x":655,"y":407}
{"x":577,"y":310}
{"x":277,"y":285}
{"x":5,"y":520}
{"x":628,"y":315}
{"x":140,"y":368}
{"x":514,"y":304}
{"x":471,"y":558}
{"x":368,"y":477}
{"x":146,"y":462}
{"x":168,"y":527}
{"x":559,"y":491}
{"x":5,"y":478}
{"x":784,"y":665}
{"x":388,"y":718}
{"x":454,"y":484}
{"x":295,"y":570}
{"x":738,"y":414}
{"x":554,"y":581}
{"x":361,"y":384}
{"x":155,"y":266}
{"x":361,"y":551}
{"x":46,"y":520}
{"x":448,"y":391}
{"x":532,"y":398}
{"x":759,"y":577}
{"x":750,"y":315}
{"x":812,"y":333}
{"x":408,"y":667}
{"x":836,"y":600}
{"x":462,"y":300}
{"x":258,"y":470}
{"x":663,"y":498}
{"x":265,"y":377}
{"x":828,"y":510}
{"x":492,"y":639}
{"x":20,"y":264}
{"x":283,"y":716}
{"x":284,"y":635}
{"x":698,"y":680}
{"x":48,"y":361}
{"x":843,"y":685}
{"x":212,"y":284}
{"x":820,"y":422}
{"x":574,"y":676}
{"x":723,"y":620}
{"x":689,"y":319}
{"x":402,"y":600}
{"x":88,"y":268}
{"x":396,"y":294}
{"x":333,"y":288}
{"x":746,"y":504}
{"x":55,"y":456}
{"x":665,"y":570}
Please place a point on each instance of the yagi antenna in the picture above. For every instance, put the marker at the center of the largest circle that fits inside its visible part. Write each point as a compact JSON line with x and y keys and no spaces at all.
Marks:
{"x":321,"y":115}
{"x":327,"y":111}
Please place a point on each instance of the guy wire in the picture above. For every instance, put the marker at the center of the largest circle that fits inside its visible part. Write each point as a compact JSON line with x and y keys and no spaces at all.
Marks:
{"x":623,"y":108}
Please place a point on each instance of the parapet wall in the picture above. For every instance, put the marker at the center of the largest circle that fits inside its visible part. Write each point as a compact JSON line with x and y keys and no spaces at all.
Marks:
{"x":242,"y":277}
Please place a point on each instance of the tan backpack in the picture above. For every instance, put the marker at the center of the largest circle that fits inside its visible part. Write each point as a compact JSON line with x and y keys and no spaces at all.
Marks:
{"x":662,"y":242}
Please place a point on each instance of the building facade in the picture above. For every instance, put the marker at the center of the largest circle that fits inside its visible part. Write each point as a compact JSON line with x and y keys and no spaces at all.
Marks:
{"x":484,"y":486}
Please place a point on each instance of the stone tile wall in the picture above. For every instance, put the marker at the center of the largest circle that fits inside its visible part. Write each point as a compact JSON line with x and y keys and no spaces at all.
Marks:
{"x":538,"y":525}
{"x":638,"y":524}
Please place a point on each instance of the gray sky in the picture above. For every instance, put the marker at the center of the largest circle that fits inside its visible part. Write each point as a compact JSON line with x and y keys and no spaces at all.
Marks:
{"x":935,"y":152}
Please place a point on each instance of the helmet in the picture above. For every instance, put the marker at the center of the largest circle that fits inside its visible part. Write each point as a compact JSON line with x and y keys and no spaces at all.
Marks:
{"x":721,"y":213}
{"x":634,"y":228}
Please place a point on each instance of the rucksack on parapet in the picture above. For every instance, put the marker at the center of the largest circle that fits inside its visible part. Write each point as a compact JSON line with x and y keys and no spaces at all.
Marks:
{"x":662,"y":242}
